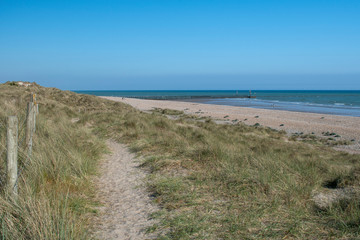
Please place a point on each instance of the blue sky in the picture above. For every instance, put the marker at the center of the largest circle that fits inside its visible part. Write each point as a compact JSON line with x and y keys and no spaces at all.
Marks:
{"x":181,"y":44}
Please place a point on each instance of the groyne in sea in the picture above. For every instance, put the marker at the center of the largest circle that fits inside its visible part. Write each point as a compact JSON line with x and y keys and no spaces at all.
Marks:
{"x":188,"y":97}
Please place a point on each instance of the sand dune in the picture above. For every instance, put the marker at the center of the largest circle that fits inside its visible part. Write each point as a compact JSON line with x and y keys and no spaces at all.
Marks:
{"x":347,"y":127}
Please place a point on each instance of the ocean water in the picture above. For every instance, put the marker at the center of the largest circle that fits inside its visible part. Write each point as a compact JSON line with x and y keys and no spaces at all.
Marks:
{"x":346,"y":103}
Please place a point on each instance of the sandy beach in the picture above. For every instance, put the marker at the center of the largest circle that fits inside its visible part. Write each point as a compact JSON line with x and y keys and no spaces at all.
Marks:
{"x":292,"y":122}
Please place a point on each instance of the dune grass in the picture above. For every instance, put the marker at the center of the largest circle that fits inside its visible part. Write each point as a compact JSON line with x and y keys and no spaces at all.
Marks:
{"x":212,"y":181}
{"x":55,"y":194}
{"x":235,"y":181}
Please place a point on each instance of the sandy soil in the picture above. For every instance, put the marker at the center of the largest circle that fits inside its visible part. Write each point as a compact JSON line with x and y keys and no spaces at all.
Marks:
{"x":126,"y":203}
{"x":347,"y":127}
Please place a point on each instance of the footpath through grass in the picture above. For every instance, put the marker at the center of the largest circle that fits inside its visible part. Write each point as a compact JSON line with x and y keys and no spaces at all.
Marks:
{"x":235,"y":181}
{"x":213,"y":181}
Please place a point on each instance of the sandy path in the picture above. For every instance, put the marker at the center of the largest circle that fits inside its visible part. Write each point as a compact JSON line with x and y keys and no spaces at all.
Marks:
{"x":126,"y":203}
{"x":347,"y":127}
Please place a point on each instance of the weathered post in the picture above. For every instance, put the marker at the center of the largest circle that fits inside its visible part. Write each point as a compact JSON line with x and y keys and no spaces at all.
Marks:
{"x":12,"y":155}
{"x":34,"y":117}
{"x":29,"y":127}
{"x":34,"y":111}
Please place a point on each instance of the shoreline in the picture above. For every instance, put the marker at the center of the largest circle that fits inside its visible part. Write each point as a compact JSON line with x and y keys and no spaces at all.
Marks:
{"x":347,"y":127}
{"x":280,"y":105}
{"x":334,"y":102}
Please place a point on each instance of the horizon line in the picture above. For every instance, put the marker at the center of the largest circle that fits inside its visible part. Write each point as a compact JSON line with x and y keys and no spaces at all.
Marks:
{"x":219,"y":90}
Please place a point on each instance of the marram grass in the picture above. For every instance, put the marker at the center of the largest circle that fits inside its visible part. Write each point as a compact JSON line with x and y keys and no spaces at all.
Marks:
{"x":55,"y":194}
{"x":212,"y":181}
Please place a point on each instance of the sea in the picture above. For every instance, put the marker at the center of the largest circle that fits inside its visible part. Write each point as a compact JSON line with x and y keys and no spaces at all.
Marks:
{"x":344,"y":102}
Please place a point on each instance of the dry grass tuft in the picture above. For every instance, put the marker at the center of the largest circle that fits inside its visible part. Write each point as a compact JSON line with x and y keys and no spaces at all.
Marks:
{"x":54,"y":188}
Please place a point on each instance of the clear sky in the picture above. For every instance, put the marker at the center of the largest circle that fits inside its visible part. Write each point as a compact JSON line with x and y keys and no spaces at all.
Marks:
{"x":181,"y":44}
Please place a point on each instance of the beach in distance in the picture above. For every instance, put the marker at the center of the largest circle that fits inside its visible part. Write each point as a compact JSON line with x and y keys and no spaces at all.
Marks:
{"x":329,"y":126}
{"x":336,"y":102}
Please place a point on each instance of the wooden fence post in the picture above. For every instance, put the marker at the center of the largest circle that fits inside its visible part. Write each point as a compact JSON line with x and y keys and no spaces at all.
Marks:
{"x":29,"y":127}
{"x":12,"y":155}
{"x":34,"y":117}
{"x":33,"y":100}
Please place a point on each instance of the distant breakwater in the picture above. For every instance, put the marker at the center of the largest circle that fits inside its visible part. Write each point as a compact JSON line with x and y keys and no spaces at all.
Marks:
{"x":319,"y":98}
{"x":188,"y":97}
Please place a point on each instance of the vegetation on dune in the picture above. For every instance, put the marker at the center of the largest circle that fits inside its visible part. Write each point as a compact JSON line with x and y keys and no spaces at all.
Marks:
{"x":213,"y":181}
{"x":235,"y":181}
{"x":55,"y":194}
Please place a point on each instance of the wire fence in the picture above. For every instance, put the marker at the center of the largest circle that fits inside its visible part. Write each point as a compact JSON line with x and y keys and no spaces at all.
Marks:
{"x":16,"y":146}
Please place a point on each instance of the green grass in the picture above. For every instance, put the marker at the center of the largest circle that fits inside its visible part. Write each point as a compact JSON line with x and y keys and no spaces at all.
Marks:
{"x":234,"y":181}
{"x":55,"y":195}
{"x":167,"y":111}
{"x":212,"y":181}
{"x":313,"y":139}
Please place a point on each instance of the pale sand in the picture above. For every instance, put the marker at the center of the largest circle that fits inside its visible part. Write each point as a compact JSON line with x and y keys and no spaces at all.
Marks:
{"x":347,"y":127}
{"x":126,"y":209}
